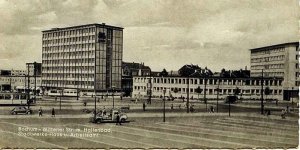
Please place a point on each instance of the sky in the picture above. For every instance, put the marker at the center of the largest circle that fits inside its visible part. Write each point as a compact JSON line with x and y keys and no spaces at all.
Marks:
{"x":161,"y":33}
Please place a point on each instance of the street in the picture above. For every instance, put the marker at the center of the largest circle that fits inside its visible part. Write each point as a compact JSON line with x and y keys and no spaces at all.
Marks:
{"x":246,"y":128}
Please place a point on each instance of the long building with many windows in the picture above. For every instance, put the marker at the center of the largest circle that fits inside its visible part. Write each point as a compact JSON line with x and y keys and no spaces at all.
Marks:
{"x":86,"y":58}
{"x":250,"y":87}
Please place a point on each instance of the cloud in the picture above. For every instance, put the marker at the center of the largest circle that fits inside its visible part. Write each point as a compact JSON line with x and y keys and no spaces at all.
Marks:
{"x":161,"y":33}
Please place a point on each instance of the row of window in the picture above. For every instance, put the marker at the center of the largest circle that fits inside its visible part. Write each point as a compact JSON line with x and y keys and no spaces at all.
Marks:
{"x":209,"y":91}
{"x":209,"y":81}
{"x":270,"y":66}
{"x":69,"y":32}
{"x":268,"y":59}
{"x":268,"y":74}
{"x":269,"y":51}
{"x":67,"y":40}
{"x":8,"y":80}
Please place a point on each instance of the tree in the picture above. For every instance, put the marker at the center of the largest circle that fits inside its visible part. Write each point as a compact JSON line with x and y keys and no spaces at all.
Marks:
{"x":164,"y":73}
{"x":198,"y":90}
{"x":237,"y":91}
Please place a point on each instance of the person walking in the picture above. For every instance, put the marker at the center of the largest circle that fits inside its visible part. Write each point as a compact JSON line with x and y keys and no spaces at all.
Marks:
{"x":172,"y":106}
{"x":40,"y":112}
{"x":53,"y":112}
{"x":118,"y":119}
{"x":144,"y":106}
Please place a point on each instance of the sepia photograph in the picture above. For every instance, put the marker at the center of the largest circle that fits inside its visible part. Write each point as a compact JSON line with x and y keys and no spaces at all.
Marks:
{"x":149,"y":74}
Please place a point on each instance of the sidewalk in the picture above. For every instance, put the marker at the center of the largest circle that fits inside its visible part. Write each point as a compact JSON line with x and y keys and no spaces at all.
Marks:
{"x":149,"y":115}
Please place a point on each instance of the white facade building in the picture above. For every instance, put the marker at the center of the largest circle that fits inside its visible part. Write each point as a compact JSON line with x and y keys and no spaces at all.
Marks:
{"x":280,"y":60}
{"x":250,"y":87}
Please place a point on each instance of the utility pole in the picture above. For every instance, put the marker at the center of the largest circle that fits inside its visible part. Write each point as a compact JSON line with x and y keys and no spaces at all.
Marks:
{"x":34,"y":72}
{"x":205,"y":82}
{"x":218,"y":90}
{"x":164,"y":112}
{"x":262,"y":92}
{"x":188,"y":95}
{"x":28,"y":86}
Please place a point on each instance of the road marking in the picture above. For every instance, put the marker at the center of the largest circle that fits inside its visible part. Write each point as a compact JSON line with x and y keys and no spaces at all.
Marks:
{"x":245,"y":125}
{"x":153,"y":138}
{"x":33,"y":139}
{"x":262,"y":123}
{"x":55,"y":144}
{"x":188,"y":137}
{"x":225,"y":133}
{"x":122,"y":138}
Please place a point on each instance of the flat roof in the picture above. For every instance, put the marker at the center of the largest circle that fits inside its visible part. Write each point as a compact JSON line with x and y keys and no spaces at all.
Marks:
{"x":78,"y":26}
{"x":274,"y":46}
{"x":214,"y":77}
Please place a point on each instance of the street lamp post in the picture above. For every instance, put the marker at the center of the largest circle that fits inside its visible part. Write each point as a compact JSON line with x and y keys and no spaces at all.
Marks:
{"x":28,"y":86}
{"x":188,"y":95}
{"x":113,"y":90}
{"x":95,"y":109}
{"x":61,"y":93}
{"x":164,"y":111}
{"x":262,"y":92}
{"x":218,"y":90}
{"x":205,"y":101}
{"x":34,"y":72}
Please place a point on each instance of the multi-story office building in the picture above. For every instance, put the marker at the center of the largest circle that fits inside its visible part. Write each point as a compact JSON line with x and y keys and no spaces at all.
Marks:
{"x":280,"y":60}
{"x":86,"y":57}
{"x":250,"y":87}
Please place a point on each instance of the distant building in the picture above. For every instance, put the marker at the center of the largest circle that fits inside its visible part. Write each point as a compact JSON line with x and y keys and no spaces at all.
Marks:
{"x":280,"y":60}
{"x":18,"y":81}
{"x":34,"y":69}
{"x":86,"y":58}
{"x":128,"y":71}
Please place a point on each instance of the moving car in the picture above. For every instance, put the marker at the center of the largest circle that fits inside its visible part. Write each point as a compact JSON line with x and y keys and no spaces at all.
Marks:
{"x":103,"y":116}
{"x":21,"y":110}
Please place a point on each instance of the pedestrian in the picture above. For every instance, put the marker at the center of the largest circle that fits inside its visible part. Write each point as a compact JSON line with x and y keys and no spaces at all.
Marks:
{"x":53,"y":112}
{"x":118,"y":119}
{"x":192,"y":108}
{"x":55,"y":98}
{"x":276,"y":102}
{"x":144,"y":106}
{"x":40,"y":112}
{"x":212,"y":109}
{"x":179,"y":106}
{"x":171,"y":106}
{"x":283,"y":112}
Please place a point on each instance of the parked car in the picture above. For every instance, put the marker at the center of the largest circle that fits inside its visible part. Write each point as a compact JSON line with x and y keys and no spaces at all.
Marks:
{"x":103,"y":116}
{"x":21,"y":110}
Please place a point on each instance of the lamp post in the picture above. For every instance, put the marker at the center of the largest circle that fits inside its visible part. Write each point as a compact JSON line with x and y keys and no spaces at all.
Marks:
{"x":262,"y":92}
{"x":188,"y":95}
{"x":164,"y":111}
{"x":205,"y":82}
{"x":95,"y":99}
{"x":218,"y":90}
{"x":113,"y":90}
{"x":28,"y":86}
{"x":34,"y":72}
{"x":61,"y":93}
